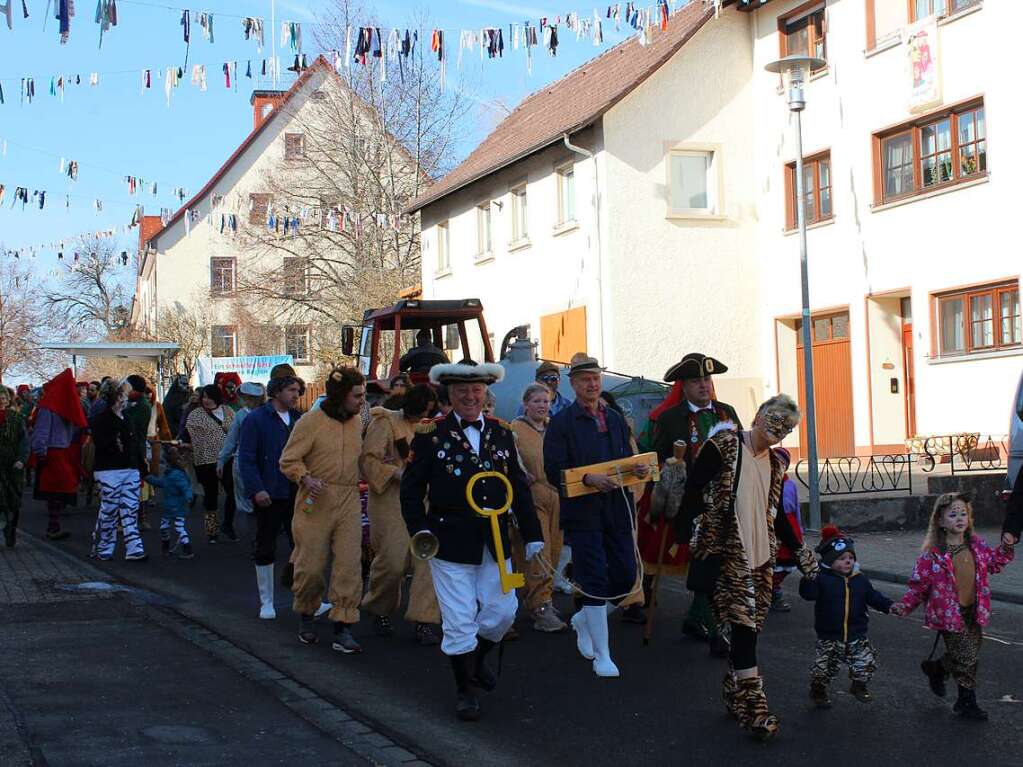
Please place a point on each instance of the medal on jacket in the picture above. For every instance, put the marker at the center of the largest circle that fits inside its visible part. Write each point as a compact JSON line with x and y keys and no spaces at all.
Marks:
{"x":694,"y":435}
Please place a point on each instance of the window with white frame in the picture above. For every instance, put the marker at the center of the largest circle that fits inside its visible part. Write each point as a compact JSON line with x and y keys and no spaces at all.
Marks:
{"x":566,"y":194}
{"x":443,"y":247}
{"x":484,"y":245}
{"x":224,"y":341}
{"x":520,"y":221}
{"x":296,"y":342}
{"x":692,"y":182}
{"x":222,"y":275}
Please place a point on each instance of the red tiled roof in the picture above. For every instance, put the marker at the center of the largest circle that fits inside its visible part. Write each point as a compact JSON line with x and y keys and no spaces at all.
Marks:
{"x":320,"y":63}
{"x":572,"y":103}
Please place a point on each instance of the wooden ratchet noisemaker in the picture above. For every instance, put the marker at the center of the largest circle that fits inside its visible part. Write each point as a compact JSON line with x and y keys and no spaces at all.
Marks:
{"x":621,"y":469}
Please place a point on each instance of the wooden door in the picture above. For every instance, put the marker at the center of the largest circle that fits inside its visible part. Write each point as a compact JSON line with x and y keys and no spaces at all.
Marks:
{"x":832,"y":385}
{"x":563,"y":334}
{"x":909,"y":385}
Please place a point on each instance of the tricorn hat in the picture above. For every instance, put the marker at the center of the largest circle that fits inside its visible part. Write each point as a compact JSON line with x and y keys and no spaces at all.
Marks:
{"x":467,"y":371}
{"x":694,"y":365}
{"x":583,"y":363}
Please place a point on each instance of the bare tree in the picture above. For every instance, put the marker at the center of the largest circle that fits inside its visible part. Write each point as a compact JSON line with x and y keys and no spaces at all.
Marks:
{"x":190,"y":327}
{"x":20,"y":319}
{"x":368,"y":147}
{"x":92,"y":297}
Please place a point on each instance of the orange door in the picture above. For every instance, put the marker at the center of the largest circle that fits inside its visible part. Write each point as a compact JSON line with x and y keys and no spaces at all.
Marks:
{"x":910,"y":384}
{"x":563,"y":334}
{"x":832,"y":385}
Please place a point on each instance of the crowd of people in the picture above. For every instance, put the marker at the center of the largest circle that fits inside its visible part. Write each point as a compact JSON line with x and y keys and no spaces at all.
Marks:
{"x":355,"y":480}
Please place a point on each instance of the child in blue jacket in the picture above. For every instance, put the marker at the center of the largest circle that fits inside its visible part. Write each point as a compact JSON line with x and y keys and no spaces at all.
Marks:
{"x":177,"y":497}
{"x":842,"y":595}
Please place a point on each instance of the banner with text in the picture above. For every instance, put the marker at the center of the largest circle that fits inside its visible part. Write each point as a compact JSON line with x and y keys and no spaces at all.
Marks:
{"x":249,"y":368}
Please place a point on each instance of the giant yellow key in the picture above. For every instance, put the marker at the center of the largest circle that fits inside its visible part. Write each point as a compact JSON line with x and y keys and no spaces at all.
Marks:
{"x":509,"y":581}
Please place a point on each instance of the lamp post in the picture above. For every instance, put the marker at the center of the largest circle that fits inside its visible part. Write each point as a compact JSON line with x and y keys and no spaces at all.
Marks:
{"x":795,"y":71}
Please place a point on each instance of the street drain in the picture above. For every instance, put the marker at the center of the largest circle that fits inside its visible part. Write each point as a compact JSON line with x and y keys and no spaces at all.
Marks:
{"x":179,"y":734}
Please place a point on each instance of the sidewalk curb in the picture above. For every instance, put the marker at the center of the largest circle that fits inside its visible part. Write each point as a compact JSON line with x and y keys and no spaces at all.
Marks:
{"x":334,"y":720}
{"x":901,"y":579}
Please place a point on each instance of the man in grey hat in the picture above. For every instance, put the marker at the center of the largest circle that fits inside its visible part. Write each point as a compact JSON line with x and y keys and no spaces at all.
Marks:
{"x":597,"y":526}
{"x":689,"y":421}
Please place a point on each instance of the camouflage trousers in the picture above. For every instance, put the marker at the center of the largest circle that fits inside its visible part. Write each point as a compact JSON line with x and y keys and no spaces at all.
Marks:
{"x":857,"y":654}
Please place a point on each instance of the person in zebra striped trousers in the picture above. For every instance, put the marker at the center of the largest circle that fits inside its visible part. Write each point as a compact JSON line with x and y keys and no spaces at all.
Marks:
{"x":118,"y":460}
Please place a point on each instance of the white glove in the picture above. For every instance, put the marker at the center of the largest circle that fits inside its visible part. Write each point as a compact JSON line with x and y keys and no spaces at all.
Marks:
{"x":532,"y":549}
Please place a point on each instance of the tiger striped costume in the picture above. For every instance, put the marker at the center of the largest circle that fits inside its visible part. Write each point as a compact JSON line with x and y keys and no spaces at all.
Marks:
{"x":742,"y":594}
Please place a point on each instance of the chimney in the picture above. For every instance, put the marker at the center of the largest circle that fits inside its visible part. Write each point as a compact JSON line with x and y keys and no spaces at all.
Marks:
{"x":150,"y":225}
{"x":263,"y":103}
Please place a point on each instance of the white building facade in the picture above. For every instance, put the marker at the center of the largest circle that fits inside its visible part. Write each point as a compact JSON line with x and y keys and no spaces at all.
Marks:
{"x":683,"y":230}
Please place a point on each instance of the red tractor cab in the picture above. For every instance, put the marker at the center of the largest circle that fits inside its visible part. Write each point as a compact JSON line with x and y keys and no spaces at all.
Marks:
{"x":456,"y":326}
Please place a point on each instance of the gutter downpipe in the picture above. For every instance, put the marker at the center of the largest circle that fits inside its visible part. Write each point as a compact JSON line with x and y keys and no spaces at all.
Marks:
{"x":600,"y":261}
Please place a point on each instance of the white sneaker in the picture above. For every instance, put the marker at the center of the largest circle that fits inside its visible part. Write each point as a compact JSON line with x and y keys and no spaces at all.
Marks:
{"x":323,"y":609}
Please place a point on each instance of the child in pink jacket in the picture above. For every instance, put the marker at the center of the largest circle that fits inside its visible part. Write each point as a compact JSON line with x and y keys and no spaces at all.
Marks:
{"x":951,"y":576}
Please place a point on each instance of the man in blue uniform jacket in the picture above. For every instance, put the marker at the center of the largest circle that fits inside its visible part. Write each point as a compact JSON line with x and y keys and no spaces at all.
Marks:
{"x":445,"y":454}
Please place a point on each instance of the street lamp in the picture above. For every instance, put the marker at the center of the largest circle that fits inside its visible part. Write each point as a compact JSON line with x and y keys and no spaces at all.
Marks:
{"x":795,"y":71}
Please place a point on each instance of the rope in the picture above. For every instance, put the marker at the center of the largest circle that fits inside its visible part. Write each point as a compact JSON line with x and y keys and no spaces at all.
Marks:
{"x":552,"y":571}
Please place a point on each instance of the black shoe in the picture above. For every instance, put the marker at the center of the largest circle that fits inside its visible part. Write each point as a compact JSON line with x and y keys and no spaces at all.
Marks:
{"x":936,"y":676}
{"x":860,"y":692}
{"x":819,"y":695}
{"x":165,"y":547}
{"x":58,"y":535}
{"x":136,"y":557}
{"x":966,"y":706}
{"x":383,"y":626}
{"x":211,"y":539}
{"x":694,"y":630}
{"x":344,"y":641}
{"x":634,"y":614}
{"x":719,"y":646}
{"x":426,"y":635}
{"x":229,"y":534}
{"x":467,"y":704}
{"x":306,"y":631}
{"x":185,"y":551}
{"x":482,"y":676}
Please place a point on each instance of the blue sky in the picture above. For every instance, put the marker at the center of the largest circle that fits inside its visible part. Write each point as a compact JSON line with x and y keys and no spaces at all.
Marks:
{"x":114,"y":129}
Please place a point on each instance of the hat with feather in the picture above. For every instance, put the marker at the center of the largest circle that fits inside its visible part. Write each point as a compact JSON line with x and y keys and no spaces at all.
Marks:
{"x":467,"y":371}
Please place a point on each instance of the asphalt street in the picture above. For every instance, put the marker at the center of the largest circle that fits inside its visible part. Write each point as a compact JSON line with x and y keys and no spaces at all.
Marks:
{"x":551,"y":709}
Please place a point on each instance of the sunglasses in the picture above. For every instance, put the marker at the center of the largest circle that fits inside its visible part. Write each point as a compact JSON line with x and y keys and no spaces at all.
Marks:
{"x":550,"y":378}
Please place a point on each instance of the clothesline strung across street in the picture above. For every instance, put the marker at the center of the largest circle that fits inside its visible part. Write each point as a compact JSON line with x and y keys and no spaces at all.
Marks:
{"x":31,"y":198}
{"x":70,"y":169}
{"x":71,"y":251}
{"x":369,"y":44}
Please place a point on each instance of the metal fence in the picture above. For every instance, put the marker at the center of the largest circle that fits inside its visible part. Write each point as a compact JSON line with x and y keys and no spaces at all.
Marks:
{"x":965,"y":453}
{"x":857,"y":475}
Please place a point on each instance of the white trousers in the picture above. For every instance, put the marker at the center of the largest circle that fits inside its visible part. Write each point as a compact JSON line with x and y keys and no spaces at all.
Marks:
{"x":472,"y":603}
{"x":118,"y":502}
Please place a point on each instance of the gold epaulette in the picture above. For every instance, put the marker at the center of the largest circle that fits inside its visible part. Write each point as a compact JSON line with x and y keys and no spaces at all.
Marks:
{"x":425,"y":427}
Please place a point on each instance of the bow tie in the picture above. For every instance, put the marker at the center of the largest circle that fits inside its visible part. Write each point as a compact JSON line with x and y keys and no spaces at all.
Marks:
{"x":478,"y":425}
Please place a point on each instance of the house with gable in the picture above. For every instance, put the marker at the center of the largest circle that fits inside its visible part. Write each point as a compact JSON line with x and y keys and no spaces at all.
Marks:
{"x":244,"y":229}
{"x":644,"y":206}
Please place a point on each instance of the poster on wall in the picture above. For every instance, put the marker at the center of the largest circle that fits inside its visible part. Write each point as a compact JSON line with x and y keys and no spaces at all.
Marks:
{"x":249,"y":368}
{"x":921,"y":45}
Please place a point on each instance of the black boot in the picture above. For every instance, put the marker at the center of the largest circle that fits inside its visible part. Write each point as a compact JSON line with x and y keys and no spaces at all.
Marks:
{"x":467,"y":705}
{"x":10,"y":535}
{"x":483,"y":677}
{"x":819,"y":695}
{"x":966,"y":705}
{"x":936,"y":676}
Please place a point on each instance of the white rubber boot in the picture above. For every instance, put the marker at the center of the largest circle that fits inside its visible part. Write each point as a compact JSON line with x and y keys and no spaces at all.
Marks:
{"x":265,"y":582}
{"x":582,"y":635}
{"x":596,"y":623}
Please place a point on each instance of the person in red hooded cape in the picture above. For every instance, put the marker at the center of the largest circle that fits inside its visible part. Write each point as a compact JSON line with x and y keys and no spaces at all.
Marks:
{"x":57,"y":449}
{"x":228,"y":384}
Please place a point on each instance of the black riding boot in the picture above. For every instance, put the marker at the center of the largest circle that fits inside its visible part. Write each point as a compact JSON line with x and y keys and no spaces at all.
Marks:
{"x":966,"y":705}
{"x":467,"y":705}
{"x":483,"y":677}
